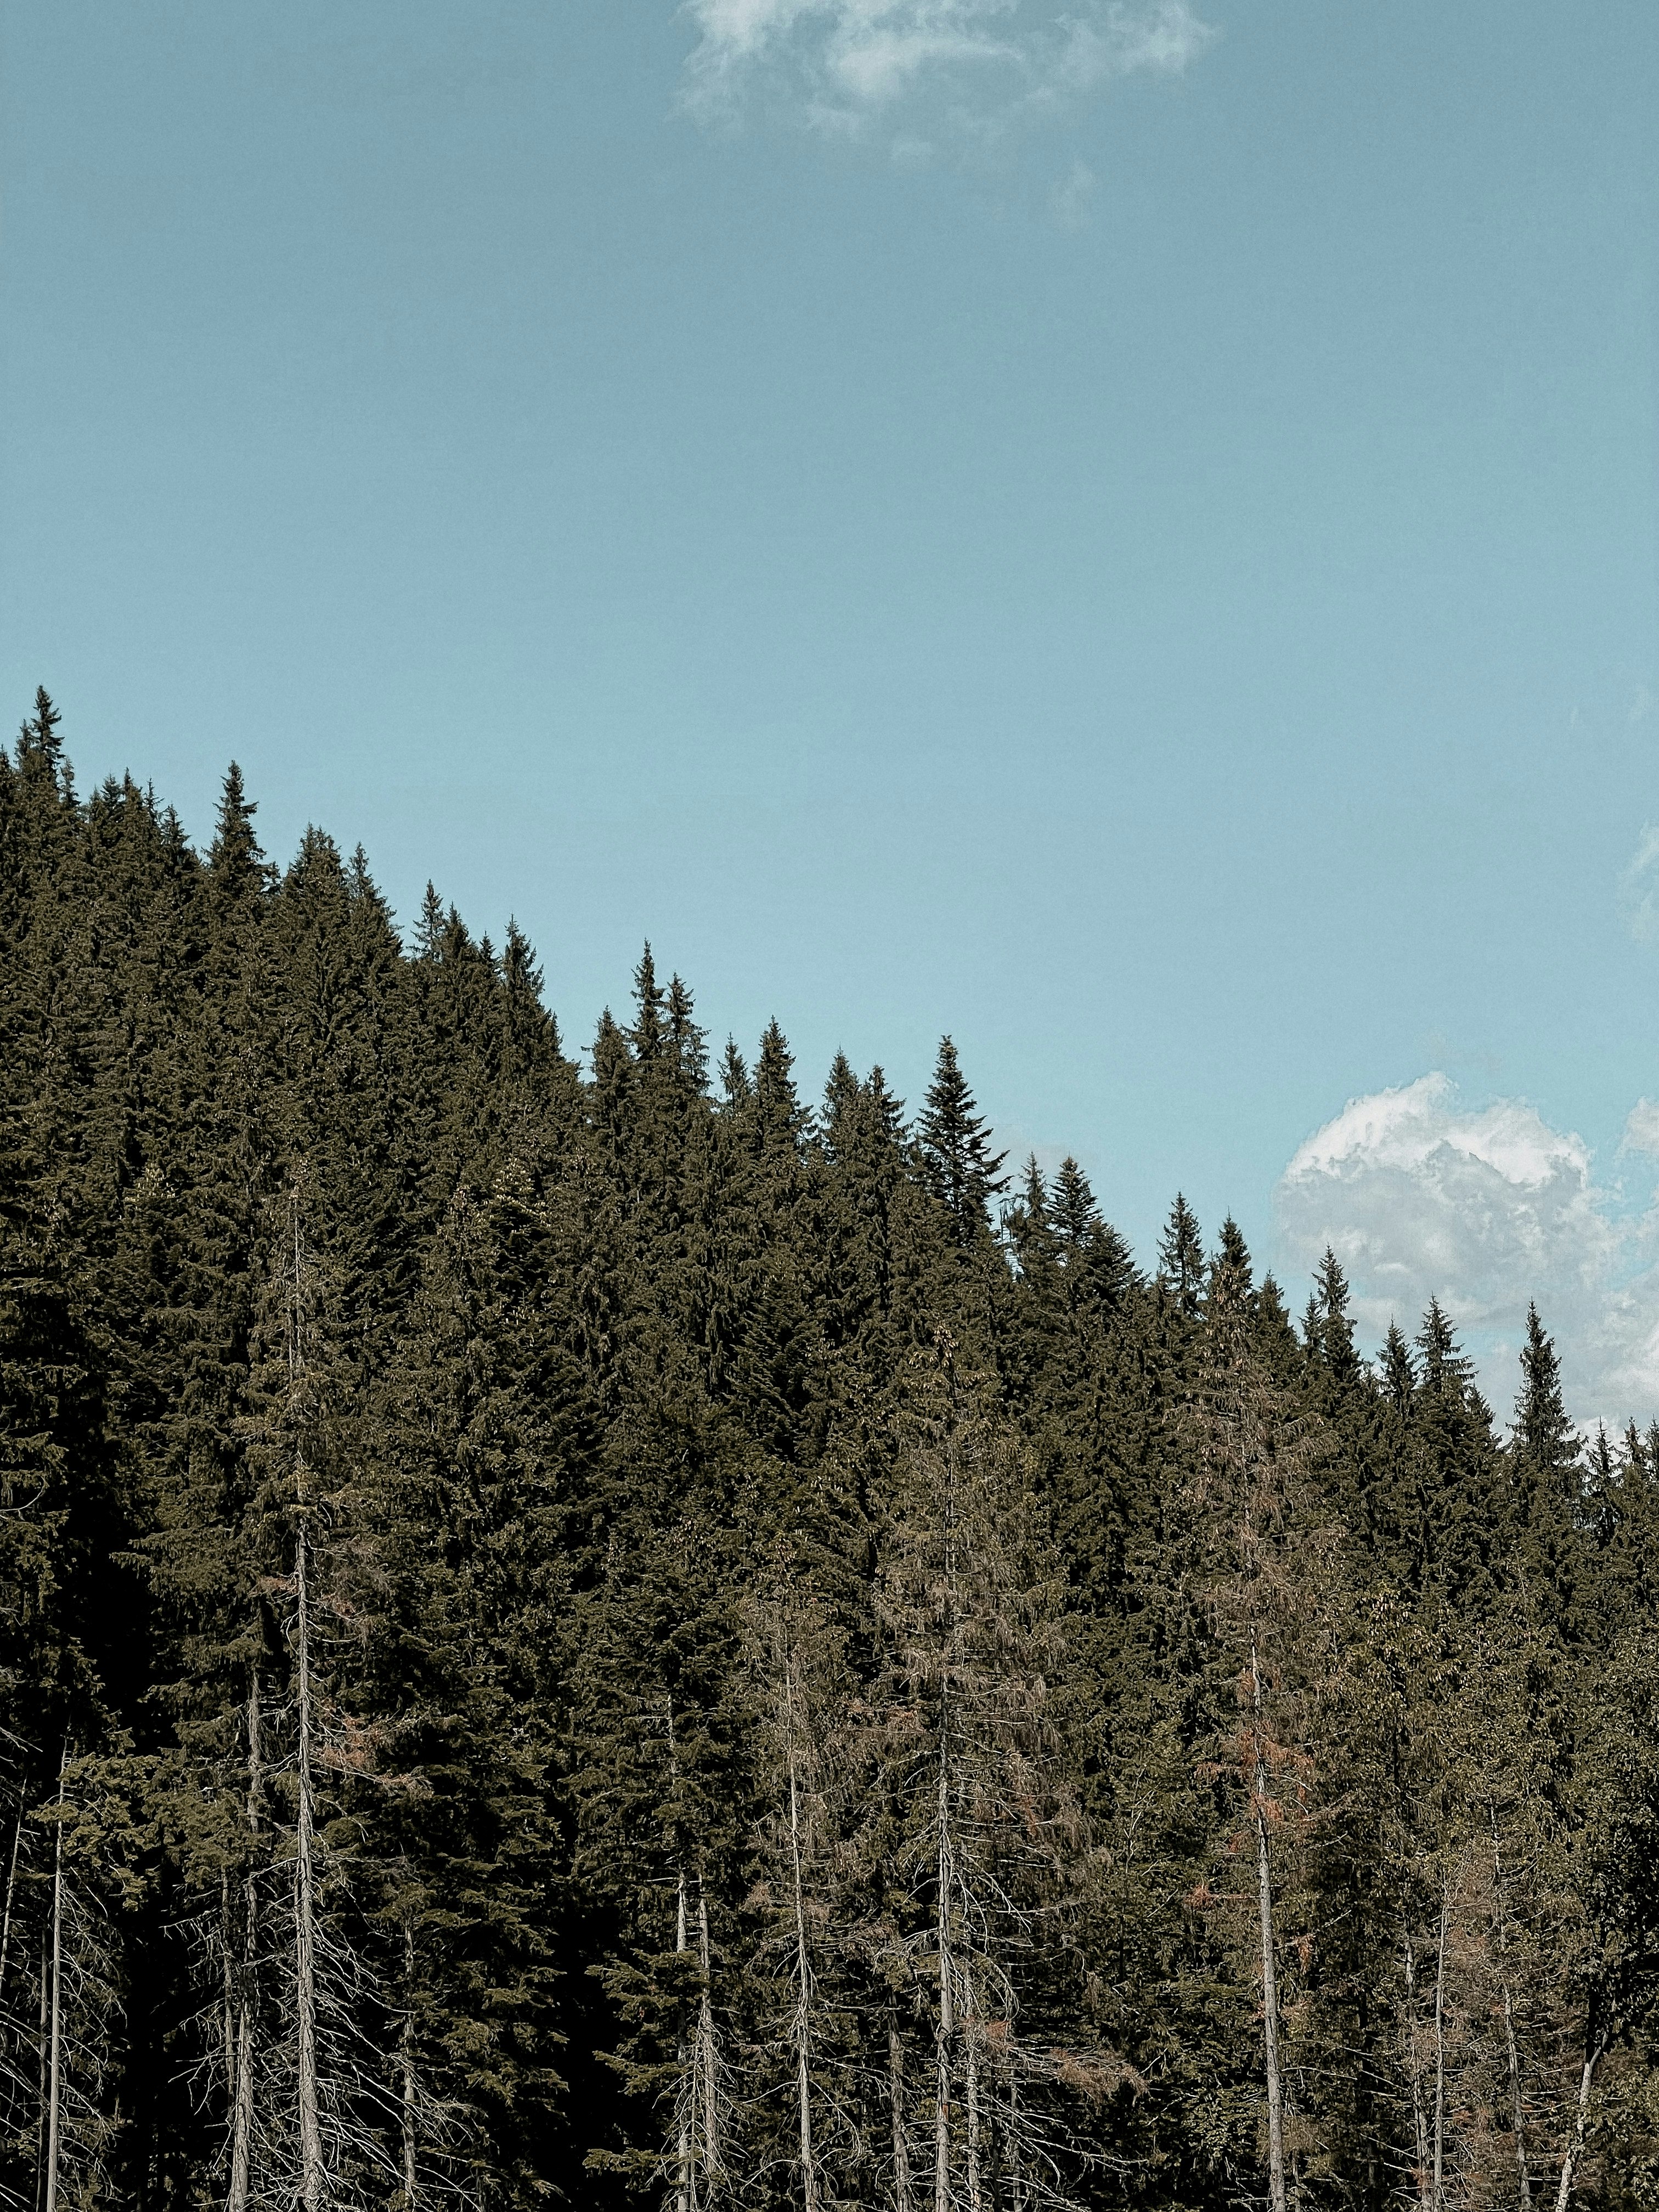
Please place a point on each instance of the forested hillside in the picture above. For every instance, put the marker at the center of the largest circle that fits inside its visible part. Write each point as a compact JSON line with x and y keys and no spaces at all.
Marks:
{"x":631,"y":1632}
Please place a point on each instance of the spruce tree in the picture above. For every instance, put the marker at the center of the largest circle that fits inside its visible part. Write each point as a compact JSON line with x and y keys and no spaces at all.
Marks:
{"x":963,"y":1172}
{"x":1181,"y":1258}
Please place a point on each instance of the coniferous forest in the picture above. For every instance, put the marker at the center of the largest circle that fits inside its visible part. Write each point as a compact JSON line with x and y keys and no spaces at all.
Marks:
{"x":635,"y":1631}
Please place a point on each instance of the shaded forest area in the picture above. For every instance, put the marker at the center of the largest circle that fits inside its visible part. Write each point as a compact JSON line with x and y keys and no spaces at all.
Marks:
{"x":620,"y":1636}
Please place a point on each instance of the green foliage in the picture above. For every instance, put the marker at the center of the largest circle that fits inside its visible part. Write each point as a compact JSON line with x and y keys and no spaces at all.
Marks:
{"x":819,"y":1683}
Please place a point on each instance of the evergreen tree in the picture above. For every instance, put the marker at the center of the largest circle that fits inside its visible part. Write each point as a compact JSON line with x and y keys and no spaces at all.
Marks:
{"x":963,"y":1172}
{"x":567,"y":1631}
{"x":1181,"y":1258}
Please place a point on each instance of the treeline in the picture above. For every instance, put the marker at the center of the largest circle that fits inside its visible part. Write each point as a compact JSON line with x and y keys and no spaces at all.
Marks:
{"x":588,"y":1635}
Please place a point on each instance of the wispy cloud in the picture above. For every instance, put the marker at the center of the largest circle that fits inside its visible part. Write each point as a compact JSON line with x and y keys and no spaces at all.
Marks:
{"x":1642,"y":1129}
{"x":1071,"y":198}
{"x":976,"y":67}
{"x":1638,"y":887}
{"x":1484,"y":1208}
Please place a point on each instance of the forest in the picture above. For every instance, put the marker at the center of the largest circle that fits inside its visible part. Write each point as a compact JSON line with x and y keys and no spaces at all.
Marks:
{"x":606,"y":1630}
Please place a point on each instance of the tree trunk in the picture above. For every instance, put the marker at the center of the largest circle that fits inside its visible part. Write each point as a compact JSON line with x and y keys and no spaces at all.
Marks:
{"x":409,"y":2067}
{"x":44,"y":2048}
{"x":705,"y":2068}
{"x":1016,"y":2165}
{"x":946,"y":1994}
{"x":11,"y":1885}
{"x":1269,"y":1964}
{"x":1440,"y":2055}
{"x":970,"y":2058}
{"x":901,"y":2133}
{"x":686,"y":2195}
{"x":304,"y":1963}
{"x":809,"y":2172}
{"x":241,"y":2056}
{"x":55,"y":2093}
{"x":1518,"y":2115}
{"x":1576,"y":2140}
{"x":1414,"y":2073}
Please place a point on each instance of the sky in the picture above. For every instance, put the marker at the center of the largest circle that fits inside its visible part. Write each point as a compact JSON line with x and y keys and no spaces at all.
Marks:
{"x":1122,"y":531}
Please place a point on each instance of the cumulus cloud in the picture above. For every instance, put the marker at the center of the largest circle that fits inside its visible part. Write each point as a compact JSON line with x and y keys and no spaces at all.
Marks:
{"x":978,"y":66}
{"x":1485,"y":1208}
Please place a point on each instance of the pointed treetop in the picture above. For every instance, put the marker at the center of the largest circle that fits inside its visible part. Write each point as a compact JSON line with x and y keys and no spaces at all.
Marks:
{"x":1544,"y":1436}
{"x":961,"y":1169}
{"x":1227,"y":1293}
{"x":1601,"y":1466}
{"x":1271,"y":1308}
{"x":520,"y":971}
{"x":687,"y":1043}
{"x":1228,"y":1306}
{"x":782,"y":1119}
{"x":888,"y":1110}
{"x":648,"y":1035}
{"x":38,"y":739}
{"x":1180,"y":1256}
{"x":1332,"y":1285}
{"x":841,"y":1096}
{"x":1233,"y":1252}
{"x":1444,"y":1367}
{"x":1398,"y":1376}
{"x":1076,"y":1216}
{"x":1026,"y":1225}
{"x":734,"y":1074}
{"x":429,"y":929}
{"x":611,"y":1061}
{"x":235,"y":860}
{"x":1329,"y":1328}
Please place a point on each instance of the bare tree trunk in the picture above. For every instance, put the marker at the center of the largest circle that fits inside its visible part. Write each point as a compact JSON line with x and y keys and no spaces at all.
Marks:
{"x":970,"y":2052}
{"x":901,"y":2133}
{"x":809,"y":2172}
{"x":685,"y":2195}
{"x":44,"y":2051}
{"x":227,"y":1980}
{"x":304,"y":1877}
{"x":11,"y":1882}
{"x":1440,"y":2053}
{"x":947,"y":1873}
{"x":241,"y":2057}
{"x":55,"y":2094}
{"x":1420,"y":2118}
{"x":946,"y":1860}
{"x":1518,"y":2115}
{"x":1576,"y":2142}
{"x":706,"y":2067}
{"x":408,"y":2064}
{"x":1269,"y":1964}
{"x":1016,"y":2170}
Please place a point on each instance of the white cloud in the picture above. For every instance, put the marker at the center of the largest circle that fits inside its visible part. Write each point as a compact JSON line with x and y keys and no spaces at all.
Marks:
{"x":1070,"y":200}
{"x":1485,"y":1208}
{"x":979,"y":66}
{"x":1638,"y":887}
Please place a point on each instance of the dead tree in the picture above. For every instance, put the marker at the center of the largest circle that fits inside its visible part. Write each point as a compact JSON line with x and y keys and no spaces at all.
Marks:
{"x":972,"y":1816}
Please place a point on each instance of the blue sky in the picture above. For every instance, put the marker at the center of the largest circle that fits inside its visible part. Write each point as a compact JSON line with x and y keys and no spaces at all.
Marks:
{"x":1129,"y":538}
